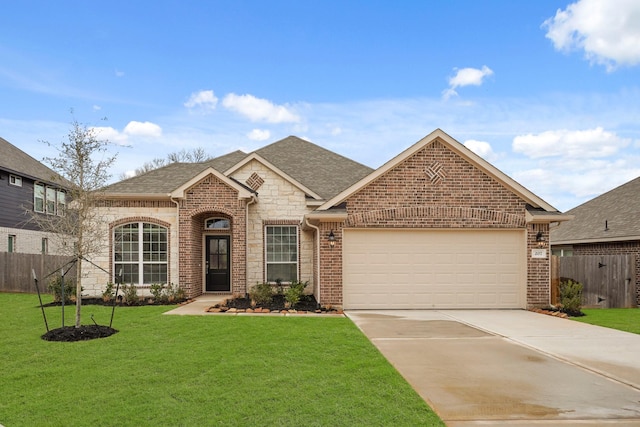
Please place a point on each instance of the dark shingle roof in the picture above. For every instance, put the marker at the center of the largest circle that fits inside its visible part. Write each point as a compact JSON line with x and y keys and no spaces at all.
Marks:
{"x":618,"y":210}
{"x":322,"y":171}
{"x":166,"y":179}
{"x":14,"y":160}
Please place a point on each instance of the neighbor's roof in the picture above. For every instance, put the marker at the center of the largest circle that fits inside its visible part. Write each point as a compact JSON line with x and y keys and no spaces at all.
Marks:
{"x":14,"y":160}
{"x":612,"y":216}
{"x":321,"y":170}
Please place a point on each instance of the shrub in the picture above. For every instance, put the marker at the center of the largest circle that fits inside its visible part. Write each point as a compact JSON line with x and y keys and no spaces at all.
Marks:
{"x":571,"y":297}
{"x":130,"y":294}
{"x":174,"y":293}
{"x":294,"y":292}
{"x":157,"y":292}
{"x":55,"y":286}
{"x":261,"y":293}
{"x":109,"y":292}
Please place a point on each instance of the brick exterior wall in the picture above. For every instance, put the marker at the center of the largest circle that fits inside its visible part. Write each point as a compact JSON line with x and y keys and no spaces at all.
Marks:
{"x":434,"y":188}
{"x":210,"y":198}
{"x":613,"y":248}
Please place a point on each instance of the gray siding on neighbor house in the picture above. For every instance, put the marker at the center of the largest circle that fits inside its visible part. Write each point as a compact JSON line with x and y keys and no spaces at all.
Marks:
{"x":16,"y":203}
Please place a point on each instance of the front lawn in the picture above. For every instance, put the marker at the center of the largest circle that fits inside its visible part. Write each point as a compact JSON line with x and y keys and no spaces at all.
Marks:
{"x":624,"y":319}
{"x":196,"y":371}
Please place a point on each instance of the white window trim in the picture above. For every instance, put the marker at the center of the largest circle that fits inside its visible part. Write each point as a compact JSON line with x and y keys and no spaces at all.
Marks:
{"x":296,"y":262}
{"x":15,"y":180}
{"x":141,"y":263}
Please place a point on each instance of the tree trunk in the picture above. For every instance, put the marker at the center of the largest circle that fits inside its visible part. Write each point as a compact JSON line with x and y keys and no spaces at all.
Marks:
{"x":78,"y":290}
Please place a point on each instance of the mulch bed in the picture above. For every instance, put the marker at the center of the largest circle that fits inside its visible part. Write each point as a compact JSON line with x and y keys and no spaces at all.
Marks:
{"x":82,"y":333}
{"x":90,"y":332}
{"x":307,"y":304}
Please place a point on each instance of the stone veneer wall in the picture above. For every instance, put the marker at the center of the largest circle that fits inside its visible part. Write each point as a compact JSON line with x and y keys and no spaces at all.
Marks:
{"x":117,"y":212}
{"x":279,"y":202}
{"x":613,"y":248}
{"x":434,"y":188}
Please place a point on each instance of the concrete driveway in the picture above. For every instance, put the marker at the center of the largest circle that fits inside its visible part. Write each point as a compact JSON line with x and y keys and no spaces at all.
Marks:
{"x":511,"y":367}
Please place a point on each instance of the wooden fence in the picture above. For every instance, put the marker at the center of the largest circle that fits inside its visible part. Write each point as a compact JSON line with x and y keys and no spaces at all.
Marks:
{"x":608,"y":281}
{"x":16,"y":275}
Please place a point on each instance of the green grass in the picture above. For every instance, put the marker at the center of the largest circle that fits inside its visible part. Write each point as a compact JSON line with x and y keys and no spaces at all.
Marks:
{"x":197,"y":371}
{"x":624,"y":319}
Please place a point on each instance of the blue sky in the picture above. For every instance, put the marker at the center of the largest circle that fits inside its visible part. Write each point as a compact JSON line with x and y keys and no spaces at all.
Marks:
{"x":547,"y":91}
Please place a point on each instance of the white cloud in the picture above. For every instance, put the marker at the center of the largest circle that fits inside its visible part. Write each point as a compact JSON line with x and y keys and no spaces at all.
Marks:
{"x":110,"y":134}
{"x":97,"y":108}
{"x":259,"y":135}
{"x":482,"y":149}
{"x":119,"y":73}
{"x":607,"y":31}
{"x":146,"y":129}
{"x":590,"y":143}
{"x":205,"y":99}
{"x":259,"y":110}
{"x":466,"y":77}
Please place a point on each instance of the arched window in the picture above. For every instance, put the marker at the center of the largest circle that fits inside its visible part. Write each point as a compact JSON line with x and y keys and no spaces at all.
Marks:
{"x":140,"y":250}
{"x":217,"y":224}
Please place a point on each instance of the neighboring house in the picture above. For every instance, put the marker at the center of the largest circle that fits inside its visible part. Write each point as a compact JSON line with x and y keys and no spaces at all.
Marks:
{"x":27,"y":188}
{"x":606,"y":225}
{"x":435,"y":227}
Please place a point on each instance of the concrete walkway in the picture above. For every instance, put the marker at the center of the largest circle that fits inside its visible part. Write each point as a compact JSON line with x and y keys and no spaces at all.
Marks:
{"x":511,"y":367}
{"x":199,"y":305}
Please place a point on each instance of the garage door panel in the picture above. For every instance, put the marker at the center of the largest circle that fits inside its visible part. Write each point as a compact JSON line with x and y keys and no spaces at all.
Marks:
{"x":434,"y":269}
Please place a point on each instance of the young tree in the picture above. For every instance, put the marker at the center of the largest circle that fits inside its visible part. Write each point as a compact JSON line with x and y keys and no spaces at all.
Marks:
{"x":83,"y":165}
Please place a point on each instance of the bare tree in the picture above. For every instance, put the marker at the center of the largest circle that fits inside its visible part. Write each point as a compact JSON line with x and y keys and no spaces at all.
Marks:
{"x":83,"y":165}
{"x":195,"y":155}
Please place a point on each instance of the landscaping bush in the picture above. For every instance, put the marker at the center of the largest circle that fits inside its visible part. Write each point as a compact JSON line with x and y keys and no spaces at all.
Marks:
{"x":157,"y":292}
{"x":130,"y":294}
{"x":571,"y":297}
{"x":294,"y":292}
{"x":109,"y":292}
{"x":55,"y":286}
{"x":174,"y":293}
{"x":261,"y":293}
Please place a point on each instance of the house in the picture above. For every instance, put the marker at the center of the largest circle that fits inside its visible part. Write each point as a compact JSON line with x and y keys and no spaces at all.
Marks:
{"x":435,"y":227}
{"x":27,"y":188}
{"x":606,"y":225}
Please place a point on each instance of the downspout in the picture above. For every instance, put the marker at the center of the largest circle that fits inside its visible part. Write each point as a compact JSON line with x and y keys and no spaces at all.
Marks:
{"x":306,"y":221}
{"x":246,"y":246}
{"x":177,"y":235}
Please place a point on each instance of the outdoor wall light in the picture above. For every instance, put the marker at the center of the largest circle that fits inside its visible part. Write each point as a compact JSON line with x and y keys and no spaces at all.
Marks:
{"x":332,"y":239}
{"x":540,"y":240}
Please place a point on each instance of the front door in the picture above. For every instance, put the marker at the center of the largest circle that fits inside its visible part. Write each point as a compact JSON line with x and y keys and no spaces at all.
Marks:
{"x":217,"y":264}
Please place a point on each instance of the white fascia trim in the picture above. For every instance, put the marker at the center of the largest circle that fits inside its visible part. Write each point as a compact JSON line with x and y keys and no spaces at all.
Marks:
{"x":458,"y":148}
{"x":178,"y":193}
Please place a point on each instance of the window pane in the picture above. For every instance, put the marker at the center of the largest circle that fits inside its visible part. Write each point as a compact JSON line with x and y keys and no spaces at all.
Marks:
{"x":283,"y":272}
{"x":141,"y":247}
{"x":129,"y":273}
{"x":282,"y":253}
{"x":51,"y":200}
{"x":38,"y":198}
{"x":155,"y":273}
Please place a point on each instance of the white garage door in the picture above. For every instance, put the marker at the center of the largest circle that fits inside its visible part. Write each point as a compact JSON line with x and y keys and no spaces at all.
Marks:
{"x":404,"y":269}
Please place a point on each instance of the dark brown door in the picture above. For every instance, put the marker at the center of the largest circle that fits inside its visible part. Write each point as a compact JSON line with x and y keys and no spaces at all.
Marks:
{"x":217,"y":264}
